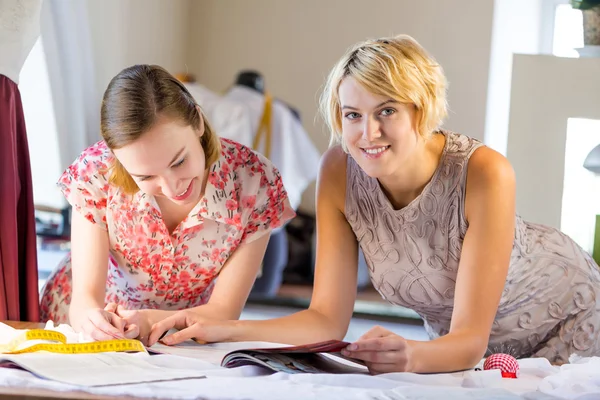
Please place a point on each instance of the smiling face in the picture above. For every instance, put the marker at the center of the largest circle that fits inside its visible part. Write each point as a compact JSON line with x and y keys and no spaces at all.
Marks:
{"x":167,"y":161}
{"x":378,"y":131}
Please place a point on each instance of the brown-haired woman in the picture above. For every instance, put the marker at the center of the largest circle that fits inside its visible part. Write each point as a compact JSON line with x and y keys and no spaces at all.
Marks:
{"x":163,"y":208}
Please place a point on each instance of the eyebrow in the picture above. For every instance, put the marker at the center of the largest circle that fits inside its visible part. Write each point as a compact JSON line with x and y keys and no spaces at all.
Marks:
{"x":379,"y":105}
{"x":172,"y":161}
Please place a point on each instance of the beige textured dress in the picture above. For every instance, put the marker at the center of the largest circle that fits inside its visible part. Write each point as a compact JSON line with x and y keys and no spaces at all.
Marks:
{"x":550,"y":306}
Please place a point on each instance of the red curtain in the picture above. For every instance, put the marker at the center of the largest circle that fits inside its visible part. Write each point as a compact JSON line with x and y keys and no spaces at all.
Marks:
{"x":19,"y":298}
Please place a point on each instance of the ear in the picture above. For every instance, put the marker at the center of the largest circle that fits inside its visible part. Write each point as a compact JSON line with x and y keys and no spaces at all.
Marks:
{"x":200,"y":131}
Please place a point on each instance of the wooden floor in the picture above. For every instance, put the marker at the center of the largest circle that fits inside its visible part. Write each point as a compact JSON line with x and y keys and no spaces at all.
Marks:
{"x":368,"y":304}
{"x":305,"y":292}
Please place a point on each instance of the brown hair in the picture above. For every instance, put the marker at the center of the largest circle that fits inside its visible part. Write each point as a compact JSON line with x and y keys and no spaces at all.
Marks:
{"x":133,"y":102}
{"x":396,"y":67}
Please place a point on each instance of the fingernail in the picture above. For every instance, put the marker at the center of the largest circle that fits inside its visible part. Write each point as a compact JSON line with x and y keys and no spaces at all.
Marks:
{"x":345,"y":352}
{"x":167,"y":340}
{"x":352,"y":347}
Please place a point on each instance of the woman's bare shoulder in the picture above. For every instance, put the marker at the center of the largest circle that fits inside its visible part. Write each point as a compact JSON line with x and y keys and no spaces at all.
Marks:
{"x":332,"y":175}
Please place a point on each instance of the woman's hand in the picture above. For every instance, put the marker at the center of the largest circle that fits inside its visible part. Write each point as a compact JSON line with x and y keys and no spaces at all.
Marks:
{"x":103,"y":324}
{"x":138,"y":321}
{"x":191,"y":326}
{"x":382,"y":351}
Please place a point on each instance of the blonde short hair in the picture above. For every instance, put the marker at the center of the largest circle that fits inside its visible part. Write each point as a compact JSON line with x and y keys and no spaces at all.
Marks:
{"x":395,"y":67}
{"x":133,"y":102}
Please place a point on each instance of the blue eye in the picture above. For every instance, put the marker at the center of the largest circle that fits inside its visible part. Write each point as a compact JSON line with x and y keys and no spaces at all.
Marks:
{"x":387,"y":111}
{"x":352,"y":115}
{"x":179,"y":163}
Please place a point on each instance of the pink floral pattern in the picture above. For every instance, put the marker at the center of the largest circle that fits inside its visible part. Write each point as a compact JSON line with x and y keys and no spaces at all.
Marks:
{"x":149,"y":268}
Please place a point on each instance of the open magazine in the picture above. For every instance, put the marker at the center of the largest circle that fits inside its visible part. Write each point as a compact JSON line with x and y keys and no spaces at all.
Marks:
{"x":322,"y":357}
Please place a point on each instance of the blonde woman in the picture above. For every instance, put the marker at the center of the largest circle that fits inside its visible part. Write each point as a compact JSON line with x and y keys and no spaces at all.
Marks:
{"x":167,"y":216}
{"x":434,"y":213}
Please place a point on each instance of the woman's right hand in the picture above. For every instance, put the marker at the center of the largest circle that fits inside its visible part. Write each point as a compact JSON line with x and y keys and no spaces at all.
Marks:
{"x":105,"y":324}
{"x":191,"y":325}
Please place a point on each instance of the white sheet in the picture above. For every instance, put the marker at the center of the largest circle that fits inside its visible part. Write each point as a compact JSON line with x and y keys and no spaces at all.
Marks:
{"x":94,"y":369}
{"x":537,"y":380}
{"x":97,"y":369}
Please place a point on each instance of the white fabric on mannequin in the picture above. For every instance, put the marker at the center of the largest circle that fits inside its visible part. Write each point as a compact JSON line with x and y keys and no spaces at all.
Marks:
{"x":292,"y":151}
{"x":228,"y":118}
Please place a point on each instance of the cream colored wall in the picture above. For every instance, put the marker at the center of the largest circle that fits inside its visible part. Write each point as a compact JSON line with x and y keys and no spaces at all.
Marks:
{"x":127,"y":32}
{"x":546,"y":91}
{"x":294,"y":43}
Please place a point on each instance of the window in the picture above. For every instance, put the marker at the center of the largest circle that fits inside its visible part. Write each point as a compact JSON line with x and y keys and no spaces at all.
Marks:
{"x":562,"y":35}
{"x":568,"y":31}
{"x":581,"y":189}
{"x":36,"y":94}
{"x":561,"y":28}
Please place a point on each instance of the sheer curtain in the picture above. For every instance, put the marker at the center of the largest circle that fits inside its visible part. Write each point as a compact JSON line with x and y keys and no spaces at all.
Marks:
{"x":67,"y":43}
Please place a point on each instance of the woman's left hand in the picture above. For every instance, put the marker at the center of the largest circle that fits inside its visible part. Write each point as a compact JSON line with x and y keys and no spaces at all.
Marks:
{"x":382,"y":351}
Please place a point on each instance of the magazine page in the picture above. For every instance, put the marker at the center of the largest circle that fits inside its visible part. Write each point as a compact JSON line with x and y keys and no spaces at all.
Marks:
{"x":321,"y":357}
{"x":293,"y":363}
{"x":95,"y":369}
{"x":212,"y":352}
{"x":329,"y":347}
{"x":85,"y":369}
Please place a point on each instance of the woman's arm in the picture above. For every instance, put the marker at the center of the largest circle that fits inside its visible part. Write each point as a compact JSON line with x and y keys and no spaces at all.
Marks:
{"x":89,"y":260}
{"x":235,"y":282}
{"x":229,"y":295}
{"x":334,"y":291}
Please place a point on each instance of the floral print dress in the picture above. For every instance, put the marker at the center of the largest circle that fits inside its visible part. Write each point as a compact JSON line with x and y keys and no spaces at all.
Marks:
{"x":150,"y":268}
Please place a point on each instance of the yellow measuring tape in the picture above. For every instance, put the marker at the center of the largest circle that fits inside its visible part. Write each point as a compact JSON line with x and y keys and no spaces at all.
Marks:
{"x":61,"y":345}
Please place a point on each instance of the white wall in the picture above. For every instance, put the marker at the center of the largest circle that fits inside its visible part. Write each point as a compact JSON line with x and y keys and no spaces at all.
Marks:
{"x":128,"y":32}
{"x":516,"y":29}
{"x":294,"y":43}
{"x":546,"y":91}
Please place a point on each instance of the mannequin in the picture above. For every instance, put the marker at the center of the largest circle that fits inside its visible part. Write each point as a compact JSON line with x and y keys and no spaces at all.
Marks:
{"x":276,"y":256}
{"x":229,"y":119}
{"x":252,"y":79}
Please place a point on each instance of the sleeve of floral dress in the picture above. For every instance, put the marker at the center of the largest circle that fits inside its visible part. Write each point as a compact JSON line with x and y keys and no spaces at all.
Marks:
{"x":269,"y":208}
{"x":85,"y":183}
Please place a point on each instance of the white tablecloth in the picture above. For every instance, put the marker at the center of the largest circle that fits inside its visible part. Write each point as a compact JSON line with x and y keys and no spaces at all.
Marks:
{"x":537,"y":380}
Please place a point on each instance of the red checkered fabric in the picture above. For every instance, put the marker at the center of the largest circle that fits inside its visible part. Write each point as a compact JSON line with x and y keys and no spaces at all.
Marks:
{"x":507,"y":364}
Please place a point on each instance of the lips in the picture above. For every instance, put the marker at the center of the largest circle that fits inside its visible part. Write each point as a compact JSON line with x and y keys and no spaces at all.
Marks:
{"x":185,"y":194}
{"x":375,"y":150}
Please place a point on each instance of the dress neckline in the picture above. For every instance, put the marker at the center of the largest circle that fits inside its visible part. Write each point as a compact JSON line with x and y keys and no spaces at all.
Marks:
{"x":386,"y":201}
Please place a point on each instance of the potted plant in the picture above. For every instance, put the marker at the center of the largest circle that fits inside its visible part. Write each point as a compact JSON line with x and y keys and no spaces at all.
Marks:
{"x":591,"y":20}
